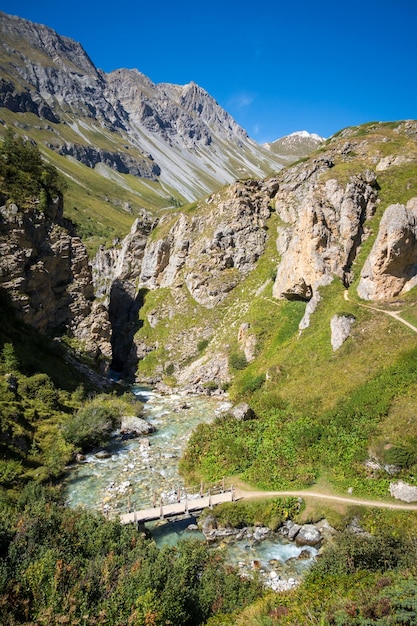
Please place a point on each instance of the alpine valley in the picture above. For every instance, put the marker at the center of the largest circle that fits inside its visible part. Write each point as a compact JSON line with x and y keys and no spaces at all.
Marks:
{"x":145,"y":238}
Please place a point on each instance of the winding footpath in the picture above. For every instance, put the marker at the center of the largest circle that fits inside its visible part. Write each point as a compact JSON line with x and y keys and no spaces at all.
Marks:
{"x":396,"y":316}
{"x":243,"y":494}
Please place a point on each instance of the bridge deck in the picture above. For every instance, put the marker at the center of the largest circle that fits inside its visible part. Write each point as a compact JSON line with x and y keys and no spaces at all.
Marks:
{"x":177,"y":508}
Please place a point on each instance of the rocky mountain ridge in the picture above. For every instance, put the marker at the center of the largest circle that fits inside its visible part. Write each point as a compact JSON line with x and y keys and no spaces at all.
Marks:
{"x":176,"y":135}
{"x":296,"y":145}
{"x":171,"y":283}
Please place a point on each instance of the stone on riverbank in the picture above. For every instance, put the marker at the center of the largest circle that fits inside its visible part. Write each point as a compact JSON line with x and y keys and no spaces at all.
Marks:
{"x":308,"y":535}
{"x":135,"y":426}
{"x":242,"y":412}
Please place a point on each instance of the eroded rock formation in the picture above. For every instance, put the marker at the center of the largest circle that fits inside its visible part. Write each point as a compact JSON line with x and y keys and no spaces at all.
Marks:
{"x":324,"y":224}
{"x":391,"y":267}
{"x":46,"y":273}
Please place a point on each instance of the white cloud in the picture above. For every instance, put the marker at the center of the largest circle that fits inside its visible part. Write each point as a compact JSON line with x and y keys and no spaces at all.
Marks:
{"x":241,"y":100}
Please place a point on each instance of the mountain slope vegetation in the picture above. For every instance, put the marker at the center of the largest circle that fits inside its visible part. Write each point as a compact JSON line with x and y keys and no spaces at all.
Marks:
{"x":279,"y":290}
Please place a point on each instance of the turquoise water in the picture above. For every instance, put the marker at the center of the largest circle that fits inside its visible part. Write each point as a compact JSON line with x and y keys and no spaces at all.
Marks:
{"x":141,"y":470}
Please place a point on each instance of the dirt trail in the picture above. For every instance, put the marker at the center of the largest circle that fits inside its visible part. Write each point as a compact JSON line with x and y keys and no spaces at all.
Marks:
{"x":390,"y":313}
{"x":247,"y":494}
{"x":243,"y":494}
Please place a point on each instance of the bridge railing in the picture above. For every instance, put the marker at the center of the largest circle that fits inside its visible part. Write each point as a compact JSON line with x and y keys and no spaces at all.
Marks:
{"x":184,"y":494}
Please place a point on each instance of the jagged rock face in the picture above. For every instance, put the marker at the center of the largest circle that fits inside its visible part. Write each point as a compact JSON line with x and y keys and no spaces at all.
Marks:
{"x":62,"y":77}
{"x":324,"y":226}
{"x":46,"y":274}
{"x":391,"y":267}
{"x":186,"y":113}
{"x":211,"y":253}
{"x":122,"y":163}
{"x":116,"y":275}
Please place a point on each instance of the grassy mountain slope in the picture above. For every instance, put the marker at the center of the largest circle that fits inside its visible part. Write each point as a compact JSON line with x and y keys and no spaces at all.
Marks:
{"x":322,"y":415}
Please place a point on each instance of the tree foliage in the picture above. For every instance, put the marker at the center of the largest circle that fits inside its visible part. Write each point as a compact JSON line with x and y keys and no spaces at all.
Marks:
{"x":25,"y":178}
{"x":68,"y":566}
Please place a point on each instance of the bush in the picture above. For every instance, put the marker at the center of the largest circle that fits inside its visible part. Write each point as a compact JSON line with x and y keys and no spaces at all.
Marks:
{"x":91,"y":426}
{"x":24,"y":176}
{"x":252,"y":384}
{"x":238,"y":361}
{"x":202,"y":345}
{"x":41,"y":388}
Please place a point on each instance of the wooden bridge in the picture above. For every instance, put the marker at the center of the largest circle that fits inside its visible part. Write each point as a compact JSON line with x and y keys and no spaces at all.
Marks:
{"x":185,"y":506}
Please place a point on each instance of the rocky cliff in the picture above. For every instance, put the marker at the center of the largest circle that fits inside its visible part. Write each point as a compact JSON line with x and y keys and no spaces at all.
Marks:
{"x":319,"y":214}
{"x":46,"y":274}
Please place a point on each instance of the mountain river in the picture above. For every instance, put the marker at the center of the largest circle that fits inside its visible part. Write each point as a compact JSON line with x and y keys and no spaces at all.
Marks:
{"x":138,"y":471}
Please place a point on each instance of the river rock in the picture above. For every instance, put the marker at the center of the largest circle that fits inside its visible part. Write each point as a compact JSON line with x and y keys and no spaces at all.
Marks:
{"x":102,"y":454}
{"x":209,"y":524}
{"x":135,"y":426}
{"x":242,"y":412}
{"x":304,"y":555}
{"x":261,"y":532}
{"x":308,"y":535}
{"x":403,"y":491}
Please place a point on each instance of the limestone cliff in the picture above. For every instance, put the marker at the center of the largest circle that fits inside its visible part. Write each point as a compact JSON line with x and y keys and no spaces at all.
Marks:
{"x":194,"y":262}
{"x":211,"y":251}
{"x":391,"y":267}
{"x":322,"y":229}
{"x":46,"y":274}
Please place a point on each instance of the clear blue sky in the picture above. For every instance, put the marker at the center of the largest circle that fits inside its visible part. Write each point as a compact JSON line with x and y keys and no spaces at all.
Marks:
{"x":276,"y":66}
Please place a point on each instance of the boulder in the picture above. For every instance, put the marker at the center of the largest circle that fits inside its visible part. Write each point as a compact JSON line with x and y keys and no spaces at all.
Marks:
{"x":308,"y":535}
{"x":340,"y":326}
{"x":403,"y":491}
{"x":135,"y":426}
{"x":209,"y":524}
{"x":390,"y":268}
{"x":242,"y":412}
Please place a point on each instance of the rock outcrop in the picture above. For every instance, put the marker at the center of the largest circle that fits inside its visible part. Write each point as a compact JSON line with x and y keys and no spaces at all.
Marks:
{"x":212,"y":251}
{"x":403,"y":491}
{"x":46,"y":274}
{"x":324,"y":227}
{"x":340,"y":326}
{"x":391,"y":267}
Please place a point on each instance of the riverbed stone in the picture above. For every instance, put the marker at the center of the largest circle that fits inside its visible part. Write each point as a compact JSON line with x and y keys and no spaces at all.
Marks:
{"x":308,"y":535}
{"x":102,"y":454}
{"x":261,"y":532}
{"x":209,"y":524}
{"x":293,"y":531}
{"x":135,"y":426}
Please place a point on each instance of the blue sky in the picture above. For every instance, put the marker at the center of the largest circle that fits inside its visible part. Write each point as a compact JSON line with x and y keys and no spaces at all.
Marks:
{"x":276,"y":66}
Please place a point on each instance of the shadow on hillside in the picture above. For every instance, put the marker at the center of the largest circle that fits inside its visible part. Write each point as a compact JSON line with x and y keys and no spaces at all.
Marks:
{"x":124,"y":307}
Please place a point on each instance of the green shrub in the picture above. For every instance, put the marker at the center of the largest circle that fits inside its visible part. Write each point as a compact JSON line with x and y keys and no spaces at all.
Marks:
{"x":8,"y":360}
{"x":169,"y":370}
{"x":211,"y":385}
{"x":238,"y":361}
{"x":90,"y":426}
{"x":40,"y":388}
{"x":202,"y":344}
{"x":24,"y":176}
{"x":252,"y":384}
